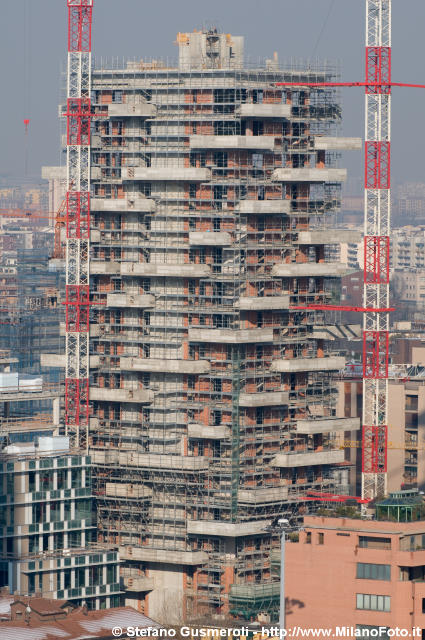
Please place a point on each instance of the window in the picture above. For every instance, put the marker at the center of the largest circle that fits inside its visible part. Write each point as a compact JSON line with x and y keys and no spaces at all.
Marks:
{"x":192,"y":190}
{"x":257,"y":160}
{"x":308,"y":537}
{"x":321,"y":538}
{"x":372,"y":602}
{"x":220,"y":158}
{"x":369,"y":542}
{"x":373,"y":571}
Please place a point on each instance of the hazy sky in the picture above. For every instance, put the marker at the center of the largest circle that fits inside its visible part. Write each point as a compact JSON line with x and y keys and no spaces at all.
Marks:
{"x":33,"y":40}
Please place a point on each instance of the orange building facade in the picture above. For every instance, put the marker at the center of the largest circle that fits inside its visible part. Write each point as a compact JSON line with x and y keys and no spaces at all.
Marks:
{"x":357,"y":573}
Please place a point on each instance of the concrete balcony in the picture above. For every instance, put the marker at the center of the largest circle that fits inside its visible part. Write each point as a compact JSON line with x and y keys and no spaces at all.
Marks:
{"x":327,"y":143}
{"x":249,"y":303}
{"x":166,"y":174}
{"x":337,"y":332}
{"x":309,"y":174}
{"x":138,"y":584}
{"x":292,"y":365}
{"x":161,"y":556}
{"x":148,"y":460}
{"x":264,"y":399}
{"x":58,"y":360}
{"x":161,"y":365}
{"x":165,"y":270}
{"x":262,"y":495}
{"x":98,"y":268}
{"x":230,"y":336}
{"x":327,"y":425}
{"x":226,"y":529}
{"x":263,"y":143}
{"x":309,"y":269}
{"x":210,"y":238}
{"x":143,"y":205}
{"x":201,"y":431}
{"x":105,"y":394}
{"x":308,"y":459}
{"x":329,"y":236}
{"x":128,"y":110}
{"x":264,"y":111}
{"x":264,"y":207}
{"x":122,"y":300}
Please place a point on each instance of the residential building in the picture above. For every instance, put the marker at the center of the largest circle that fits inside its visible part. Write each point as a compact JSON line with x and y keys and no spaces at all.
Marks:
{"x":362,"y":574}
{"x":213,"y":400}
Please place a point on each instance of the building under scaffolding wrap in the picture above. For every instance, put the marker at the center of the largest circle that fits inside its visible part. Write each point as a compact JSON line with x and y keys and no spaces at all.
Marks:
{"x":212,"y":402}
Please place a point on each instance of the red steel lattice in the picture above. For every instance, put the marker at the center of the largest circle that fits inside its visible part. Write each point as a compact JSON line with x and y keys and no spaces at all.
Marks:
{"x":374,"y":449}
{"x":79,"y":25}
{"x":376,"y":260}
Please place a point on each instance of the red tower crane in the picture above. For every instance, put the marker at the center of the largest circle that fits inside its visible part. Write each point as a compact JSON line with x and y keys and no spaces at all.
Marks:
{"x":77,"y":252}
{"x":377,"y":217}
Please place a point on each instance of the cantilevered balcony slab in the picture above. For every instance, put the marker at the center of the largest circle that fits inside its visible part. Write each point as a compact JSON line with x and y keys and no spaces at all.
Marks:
{"x":128,"y":110}
{"x":162,"y":556}
{"x":251,"y":303}
{"x":143,"y":205}
{"x":202,"y":431}
{"x":264,"y":207}
{"x":98,"y":267}
{"x":264,"y":110}
{"x":308,"y":459}
{"x":264,"y":399}
{"x":164,"y":174}
{"x":262,"y":495}
{"x":210,"y":238}
{"x":264,"y":143}
{"x":229,"y":336}
{"x":291,"y":365}
{"x":171,"y":270}
{"x":307,"y":174}
{"x":58,"y":360}
{"x":337,"y":332}
{"x":138,"y":583}
{"x":309,"y":269}
{"x":161,"y":365}
{"x":122,"y":300}
{"x":148,"y":460}
{"x":327,"y":425}
{"x":226,"y":529}
{"x":105,"y":394}
{"x":328,"y":143}
{"x":329,"y":236}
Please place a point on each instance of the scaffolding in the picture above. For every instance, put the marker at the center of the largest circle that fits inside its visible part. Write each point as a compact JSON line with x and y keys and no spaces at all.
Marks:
{"x":206,"y":183}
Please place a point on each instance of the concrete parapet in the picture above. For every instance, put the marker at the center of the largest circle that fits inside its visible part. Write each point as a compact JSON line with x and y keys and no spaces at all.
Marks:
{"x":128,"y":110}
{"x":175,"y":270}
{"x":230,"y":336}
{"x":226,"y":529}
{"x":264,"y":399}
{"x":264,"y":110}
{"x":329,"y":236}
{"x":266,"y":302}
{"x":265,"y":207}
{"x":130,"y":300}
{"x":308,"y":459}
{"x":210,"y":238}
{"x":162,"y":365}
{"x":143,"y":205}
{"x":121,"y":395}
{"x":232,"y":142}
{"x":127,"y":490}
{"x":328,"y":425}
{"x":328,"y":143}
{"x":138,"y":584}
{"x":208,"y":432}
{"x":331,"y":363}
{"x":262,"y":495}
{"x":104,"y":268}
{"x":148,"y":460}
{"x":306,"y":269}
{"x":166,"y":174}
{"x":308,"y":174}
{"x":53,"y":360}
{"x":162,"y":556}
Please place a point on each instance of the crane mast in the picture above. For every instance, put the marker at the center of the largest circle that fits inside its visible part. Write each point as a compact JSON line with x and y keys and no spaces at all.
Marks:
{"x":77,"y":297}
{"x":377,"y":213}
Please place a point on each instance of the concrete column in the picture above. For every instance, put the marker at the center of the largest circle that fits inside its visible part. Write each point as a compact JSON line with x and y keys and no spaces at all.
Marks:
{"x":56,"y":412}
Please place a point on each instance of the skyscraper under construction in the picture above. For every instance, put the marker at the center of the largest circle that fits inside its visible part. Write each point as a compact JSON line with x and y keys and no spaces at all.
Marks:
{"x":212,"y":396}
